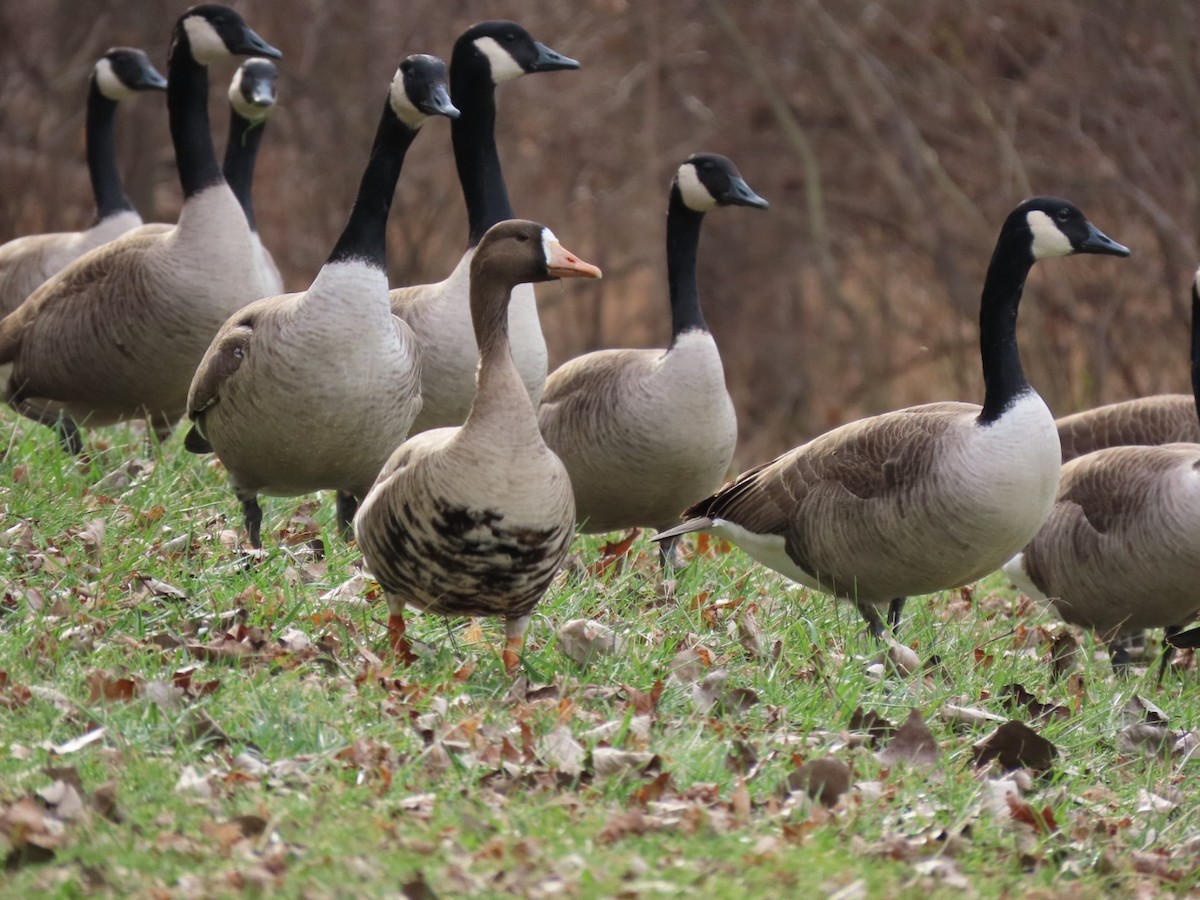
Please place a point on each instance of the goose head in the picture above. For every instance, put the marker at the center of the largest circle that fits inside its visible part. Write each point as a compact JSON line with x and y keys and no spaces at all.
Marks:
{"x":518,"y":251}
{"x":508,"y":51}
{"x":1055,"y":227}
{"x":123,"y":70}
{"x":706,"y":180}
{"x":252,"y":91}
{"x":419,"y":90}
{"x":214,"y":32}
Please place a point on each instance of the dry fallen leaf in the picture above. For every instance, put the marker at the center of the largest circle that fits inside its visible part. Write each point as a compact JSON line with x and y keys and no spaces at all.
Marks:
{"x":562,"y":752}
{"x":607,"y":761}
{"x":914,"y":743}
{"x":582,"y":640}
{"x":714,"y":694}
{"x":824,"y":780}
{"x":750,"y":635}
{"x":1014,"y":745}
{"x":1016,"y":697}
{"x":612,"y":555}
{"x":875,"y":726}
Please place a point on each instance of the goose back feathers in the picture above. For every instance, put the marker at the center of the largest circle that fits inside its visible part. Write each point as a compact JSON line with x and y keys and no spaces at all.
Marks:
{"x":477,"y":520}
{"x":28,"y":261}
{"x":645,"y":433}
{"x":926,"y":498}
{"x":484,"y":56}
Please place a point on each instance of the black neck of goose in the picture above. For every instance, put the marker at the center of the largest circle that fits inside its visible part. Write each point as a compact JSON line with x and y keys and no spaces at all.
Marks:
{"x":1003,"y":377}
{"x":1196,"y":346}
{"x":683,"y":242}
{"x":241,"y":153}
{"x":364,"y":239}
{"x":102,"y":155}
{"x":473,"y":134}
{"x":187,"y":109}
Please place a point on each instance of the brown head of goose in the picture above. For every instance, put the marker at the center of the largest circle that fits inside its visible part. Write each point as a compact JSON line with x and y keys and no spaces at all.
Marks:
{"x":118,"y":333}
{"x":646,"y":433}
{"x":476,"y":520}
{"x":313,"y":391}
{"x":485,"y":55}
{"x":251,"y":101}
{"x":926,"y":498}
{"x":1119,"y":553}
{"x":26,"y":262}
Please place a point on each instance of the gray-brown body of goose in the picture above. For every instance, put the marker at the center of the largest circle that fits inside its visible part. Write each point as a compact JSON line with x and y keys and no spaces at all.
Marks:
{"x":484,"y":56}
{"x":1119,"y":552}
{"x":476,"y":520}
{"x":926,"y":498}
{"x":313,"y":391}
{"x":26,"y":262}
{"x":117,"y":334}
{"x":251,"y":102}
{"x":646,"y":433}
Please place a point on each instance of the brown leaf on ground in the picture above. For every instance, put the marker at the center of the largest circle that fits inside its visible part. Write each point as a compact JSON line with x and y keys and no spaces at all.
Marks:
{"x":417,"y":888}
{"x":607,"y":761}
{"x":111,"y":688}
{"x":622,"y":825}
{"x":562,"y":752}
{"x":1063,"y":650}
{"x":713,"y":694}
{"x":968,"y":716}
{"x":824,"y":780}
{"x":582,"y":640}
{"x":653,"y":790}
{"x":32,"y":833}
{"x":741,"y":758}
{"x":1042,"y":822}
{"x":1146,"y":731}
{"x":12,"y":695}
{"x":643,"y":703}
{"x":750,"y":635}
{"x":159,"y":588}
{"x":612,"y":556}
{"x":688,"y":666}
{"x":1016,"y":697}
{"x":876,"y":727}
{"x":1014,"y":745}
{"x":914,"y":743}
{"x":62,"y":798}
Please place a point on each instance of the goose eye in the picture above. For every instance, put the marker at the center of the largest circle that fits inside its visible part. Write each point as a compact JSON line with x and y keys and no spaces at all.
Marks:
{"x":510,"y":37}
{"x":1063,"y":215}
{"x":522,"y":238}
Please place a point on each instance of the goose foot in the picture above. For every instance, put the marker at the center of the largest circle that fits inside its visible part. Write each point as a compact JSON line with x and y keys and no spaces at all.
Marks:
{"x":398,"y":642}
{"x":252,"y":517}
{"x":514,"y":642}
{"x":347,"y":506}
{"x":895,"y":608}
{"x":1121,"y":659}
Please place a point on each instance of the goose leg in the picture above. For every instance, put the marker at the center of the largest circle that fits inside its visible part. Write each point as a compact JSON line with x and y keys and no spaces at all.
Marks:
{"x":252,"y":516}
{"x":514,"y":641}
{"x":1168,"y":651}
{"x":871,"y":615}
{"x":162,"y":427}
{"x":347,"y":506}
{"x":1120,"y":656}
{"x":895,"y":608}
{"x":395,"y":633}
{"x":668,"y":554}
{"x":69,"y":437}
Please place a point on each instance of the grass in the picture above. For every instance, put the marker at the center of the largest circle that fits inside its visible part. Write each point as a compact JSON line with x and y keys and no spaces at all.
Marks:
{"x":292,"y":759}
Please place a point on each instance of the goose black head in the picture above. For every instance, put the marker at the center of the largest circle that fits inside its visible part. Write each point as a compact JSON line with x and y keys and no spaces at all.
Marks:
{"x":252,"y":91}
{"x":123,"y":70}
{"x":419,"y":90}
{"x":508,"y":51}
{"x":215,"y":32}
{"x":1056,"y":227}
{"x":706,"y":180}
{"x":517,"y":251}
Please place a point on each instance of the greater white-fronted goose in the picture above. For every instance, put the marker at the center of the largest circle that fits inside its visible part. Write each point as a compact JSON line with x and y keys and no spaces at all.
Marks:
{"x":646,"y":433}
{"x":926,"y":498}
{"x":117,"y":334}
{"x":251,"y":102}
{"x":485,"y":55}
{"x":26,"y":262}
{"x":476,"y":520}
{"x":313,"y":391}
{"x":1119,"y":553}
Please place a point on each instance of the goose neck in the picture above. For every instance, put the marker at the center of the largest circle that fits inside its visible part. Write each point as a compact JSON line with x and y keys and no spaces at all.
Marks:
{"x":102,"y":155}
{"x":500,"y":393}
{"x":187,"y":111}
{"x":364,"y":239}
{"x":683,"y":242}
{"x":473,"y":135}
{"x":1196,"y":345}
{"x":241,"y":154}
{"x":1003,"y":377}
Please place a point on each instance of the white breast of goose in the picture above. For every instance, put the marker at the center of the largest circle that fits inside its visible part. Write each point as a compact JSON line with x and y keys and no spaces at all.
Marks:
{"x":449,"y":356}
{"x":1135,"y":564}
{"x":661,"y":439}
{"x":213,"y":256}
{"x":268,"y":272}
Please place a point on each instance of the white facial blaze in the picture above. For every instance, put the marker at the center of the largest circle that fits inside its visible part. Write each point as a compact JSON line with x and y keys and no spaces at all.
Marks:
{"x":504,"y":67}
{"x":109,"y":84}
{"x":244,"y":107}
{"x":1196,"y":280}
{"x":207,"y":46}
{"x":405,"y":110}
{"x":549,"y":246}
{"x":691,"y":188}
{"x":1048,"y":239}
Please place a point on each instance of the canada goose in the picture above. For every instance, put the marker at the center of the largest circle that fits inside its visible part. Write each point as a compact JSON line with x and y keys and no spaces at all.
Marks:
{"x":484,"y":56}
{"x":645,"y":433}
{"x":925,"y":498}
{"x":26,"y":262}
{"x":1118,"y":553}
{"x":1152,"y":421}
{"x":477,"y":519}
{"x":333,"y":355}
{"x":251,"y":102}
{"x":117,"y":334}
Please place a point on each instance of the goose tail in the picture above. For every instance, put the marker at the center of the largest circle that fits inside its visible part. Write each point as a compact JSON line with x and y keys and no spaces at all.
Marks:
{"x":702,"y":523}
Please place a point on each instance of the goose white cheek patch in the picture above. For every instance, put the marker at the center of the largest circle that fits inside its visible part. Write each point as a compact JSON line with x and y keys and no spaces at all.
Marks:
{"x":109,"y":84}
{"x":695,"y":195}
{"x":504,"y":67}
{"x":549,"y":241}
{"x":207,"y":46}
{"x":1048,"y":240}
{"x":402,"y":106}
